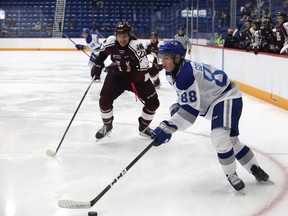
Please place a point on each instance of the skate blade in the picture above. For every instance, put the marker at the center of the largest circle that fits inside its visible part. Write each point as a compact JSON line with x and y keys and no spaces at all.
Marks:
{"x":268,"y":182}
{"x":105,"y":137}
{"x":144,"y":135}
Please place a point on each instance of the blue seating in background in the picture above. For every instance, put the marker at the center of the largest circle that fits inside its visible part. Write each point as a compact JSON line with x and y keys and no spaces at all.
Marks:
{"x":144,"y":16}
{"x":21,"y":17}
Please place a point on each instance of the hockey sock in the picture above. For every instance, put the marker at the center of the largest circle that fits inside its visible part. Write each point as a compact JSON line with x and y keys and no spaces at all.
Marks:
{"x":220,"y":138}
{"x":243,"y":154}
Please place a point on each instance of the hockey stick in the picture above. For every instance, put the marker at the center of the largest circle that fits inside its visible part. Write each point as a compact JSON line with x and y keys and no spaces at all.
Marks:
{"x":51,"y":153}
{"x":71,"y":204}
{"x":75,"y":44}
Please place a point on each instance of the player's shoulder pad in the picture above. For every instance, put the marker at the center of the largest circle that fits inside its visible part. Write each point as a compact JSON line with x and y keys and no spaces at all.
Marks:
{"x":109,"y":41}
{"x":285,"y":25}
{"x":136,"y":45}
{"x":185,"y":77}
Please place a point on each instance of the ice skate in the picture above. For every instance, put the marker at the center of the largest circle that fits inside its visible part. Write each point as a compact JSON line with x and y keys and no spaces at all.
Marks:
{"x":236,"y":182}
{"x":104,"y":131}
{"x":144,"y":130}
{"x":259,"y":173}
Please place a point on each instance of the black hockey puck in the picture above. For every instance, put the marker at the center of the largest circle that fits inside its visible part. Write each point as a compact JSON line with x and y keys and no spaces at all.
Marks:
{"x":92,"y":213}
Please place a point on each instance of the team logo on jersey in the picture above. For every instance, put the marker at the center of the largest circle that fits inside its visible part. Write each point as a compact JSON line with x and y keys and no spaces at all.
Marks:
{"x":117,"y":56}
{"x":139,"y":47}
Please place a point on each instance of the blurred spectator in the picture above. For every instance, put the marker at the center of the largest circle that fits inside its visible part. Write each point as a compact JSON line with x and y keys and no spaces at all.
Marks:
{"x":266,"y":15}
{"x":4,"y":30}
{"x":240,"y":24}
{"x":60,"y":26}
{"x":255,"y":38}
{"x":281,"y":31}
{"x":71,"y":24}
{"x":268,"y":39}
{"x":245,"y":35}
{"x":231,"y":41}
{"x":224,"y":19}
{"x":97,"y":3}
{"x":212,"y":41}
{"x":219,"y":41}
{"x":247,"y":9}
{"x":38,"y":26}
{"x":93,"y":27}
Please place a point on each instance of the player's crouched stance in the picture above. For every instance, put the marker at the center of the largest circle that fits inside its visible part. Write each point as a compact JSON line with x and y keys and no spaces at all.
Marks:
{"x":205,"y":91}
{"x":129,"y":71}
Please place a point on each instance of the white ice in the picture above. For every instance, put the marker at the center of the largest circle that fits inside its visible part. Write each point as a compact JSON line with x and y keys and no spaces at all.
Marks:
{"x":40,"y":91}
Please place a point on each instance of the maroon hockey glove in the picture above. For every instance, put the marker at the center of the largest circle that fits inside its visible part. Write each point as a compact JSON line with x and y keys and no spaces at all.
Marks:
{"x":96,"y":70}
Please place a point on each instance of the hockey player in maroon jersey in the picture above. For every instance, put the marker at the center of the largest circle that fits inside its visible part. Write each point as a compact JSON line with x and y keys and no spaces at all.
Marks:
{"x":281,"y":31}
{"x":152,"y":48}
{"x":129,"y":71}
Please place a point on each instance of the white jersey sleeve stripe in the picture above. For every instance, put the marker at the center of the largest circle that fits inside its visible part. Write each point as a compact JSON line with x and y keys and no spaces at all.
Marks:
{"x":227,"y":113}
{"x":181,"y":123}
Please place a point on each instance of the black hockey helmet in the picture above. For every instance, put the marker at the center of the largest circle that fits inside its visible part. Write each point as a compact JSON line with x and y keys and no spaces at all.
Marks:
{"x":283,"y":14}
{"x":123,"y":27}
{"x":257,"y":23}
{"x":265,"y":22}
{"x":153,"y":34}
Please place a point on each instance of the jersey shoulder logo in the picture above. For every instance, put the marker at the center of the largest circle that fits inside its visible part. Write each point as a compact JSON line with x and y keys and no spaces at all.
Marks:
{"x":139,"y":47}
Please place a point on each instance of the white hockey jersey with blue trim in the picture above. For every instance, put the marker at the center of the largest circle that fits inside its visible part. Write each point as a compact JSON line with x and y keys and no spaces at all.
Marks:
{"x":199,"y":88}
{"x":93,"y":44}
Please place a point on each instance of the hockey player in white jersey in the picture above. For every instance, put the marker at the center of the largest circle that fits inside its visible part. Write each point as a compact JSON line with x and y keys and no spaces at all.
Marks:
{"x":92,"y":43}
{"x":206,"y":91}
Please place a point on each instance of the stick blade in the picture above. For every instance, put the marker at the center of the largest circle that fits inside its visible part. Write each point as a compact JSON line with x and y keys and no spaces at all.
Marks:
{"x":50,"y":153}
{"x":71,"y":204}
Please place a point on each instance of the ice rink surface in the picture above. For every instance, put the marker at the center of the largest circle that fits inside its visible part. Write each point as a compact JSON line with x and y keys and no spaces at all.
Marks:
{"x":40,"y":91}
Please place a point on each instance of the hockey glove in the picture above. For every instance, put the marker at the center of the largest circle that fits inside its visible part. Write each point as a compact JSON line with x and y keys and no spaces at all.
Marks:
{"x":174,"y":108}
{"x":96,"y":78}
{"x":96,"y":71}
{"x":80,"y":47}
{"x":163,"y":132}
